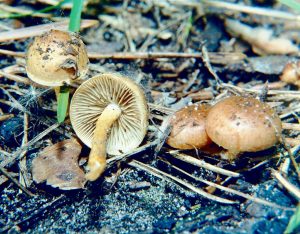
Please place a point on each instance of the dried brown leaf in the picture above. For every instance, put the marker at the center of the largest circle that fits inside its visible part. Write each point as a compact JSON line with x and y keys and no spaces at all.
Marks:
{"x":58,"y":166}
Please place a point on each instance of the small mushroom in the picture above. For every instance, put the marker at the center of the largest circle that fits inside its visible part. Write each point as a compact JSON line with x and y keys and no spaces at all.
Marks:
{"x":58,"y":165}
{"x":243,"y":124}
{"x":188,"y":128}
{"x":109,"y":114}
{"x":56,"y":58}
{"x":291,"y":73}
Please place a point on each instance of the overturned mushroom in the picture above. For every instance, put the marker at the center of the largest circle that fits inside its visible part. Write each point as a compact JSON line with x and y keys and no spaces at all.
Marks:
{"x":188,"y":128}
{"x":58,"y":166}
{"x":241,"y":124}
{"x":56,"y":58}
{"x":109,"y":114}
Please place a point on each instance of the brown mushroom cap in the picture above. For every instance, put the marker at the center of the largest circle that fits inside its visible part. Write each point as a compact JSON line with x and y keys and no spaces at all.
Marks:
{"x":55,"y":58}
{"x":241,"y":124}
{"x":90,"y":99}
{"x":188,"y":128}
{"x":291,"y":73}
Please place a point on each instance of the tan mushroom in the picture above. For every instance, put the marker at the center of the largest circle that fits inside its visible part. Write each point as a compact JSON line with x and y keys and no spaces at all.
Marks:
{"x":109,"y":114}
{"x":243,"y":124}
{"x":291,"y":73}
{"x":56,"y":58}
{"x":188,"y":128}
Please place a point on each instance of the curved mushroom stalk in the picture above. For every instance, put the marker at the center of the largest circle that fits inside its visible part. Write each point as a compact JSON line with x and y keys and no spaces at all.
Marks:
{"x":97,"y":158}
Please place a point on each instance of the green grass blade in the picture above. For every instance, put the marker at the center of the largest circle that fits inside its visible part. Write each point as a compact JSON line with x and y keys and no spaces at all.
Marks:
{"x":44,"y":10}
{"x":294,"y":222}
{"x":75,"y":16}
{"x":292,"y":4}
{"x":63,"y":96}
{"x":62,"y":103}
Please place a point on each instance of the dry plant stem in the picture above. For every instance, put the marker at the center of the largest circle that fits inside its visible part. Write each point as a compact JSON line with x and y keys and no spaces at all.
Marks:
{"x":291,"y":155}
{"x":214,"y":57}
{"x":251,"y":10}
{"x":292,"y":141}
{"x":289,"y":187}
{"x":284,"y":167}
{"x":165,"y":176}
{"x":201,"y":163}
{"x":232,"y":191}
{"x":6,"y":117}
{"x":18,"y":10}
{"x":23,"y":174}
{"x":4,"y":172}
{"x":122,"y":157}
{"x":16,"y":78}
{"x":18,"y":153}
{"x":163,"y":109}
{"x":291,"y":126}
{"x":206,"y":60}
{"x":97,"y":157}
{"x":39,"y":29}
{"x":12,"y":53}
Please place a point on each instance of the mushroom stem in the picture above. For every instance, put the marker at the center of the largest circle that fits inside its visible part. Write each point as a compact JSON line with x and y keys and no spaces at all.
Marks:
{"x":97,"y":157}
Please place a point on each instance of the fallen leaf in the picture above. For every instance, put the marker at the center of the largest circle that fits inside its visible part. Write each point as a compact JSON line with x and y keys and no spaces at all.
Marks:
{"x":262,"y":40}
{"x":58,"y":166}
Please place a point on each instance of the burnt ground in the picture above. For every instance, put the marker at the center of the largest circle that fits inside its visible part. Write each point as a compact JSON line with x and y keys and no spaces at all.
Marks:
{"x":131,"y":200}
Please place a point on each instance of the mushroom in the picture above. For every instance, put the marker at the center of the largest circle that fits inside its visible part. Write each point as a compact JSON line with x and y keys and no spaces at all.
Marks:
{"x":109,"y":114}
{"x":188,"y":128}
{"x":291,"y":73}
{"x":56,"y":58}
{"x":243,"y":124}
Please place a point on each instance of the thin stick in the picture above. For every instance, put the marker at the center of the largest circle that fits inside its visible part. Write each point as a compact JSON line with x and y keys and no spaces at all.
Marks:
{"x":4,"y":172}
{"x":18,"y":154}
{"x":165,"y":176}
{"x":202,"y":163}
{"x":39,"y":29}
{"x":121,"y":157}
{"x":252,"y":10}
{"x":163,"y":109}
{"x":12,"y":53}
{"x":6,"y":117}
{"x":16,"y":78}
{"x":206,"y":61}
{"x":232,"y":191}
{"x":291,"y":126}
{"x":23,"y":174}
{"x":289,"y":187}
{"x":292,"y":141}
{"x":291,"y":155}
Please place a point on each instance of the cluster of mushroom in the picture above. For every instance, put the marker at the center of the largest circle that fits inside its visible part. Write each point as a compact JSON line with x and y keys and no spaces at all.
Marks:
{"x":237,"y":124}
{"x":108,"y":112}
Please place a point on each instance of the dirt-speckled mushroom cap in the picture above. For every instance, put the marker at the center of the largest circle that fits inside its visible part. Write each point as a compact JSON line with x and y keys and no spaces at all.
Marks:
{"x":188,"y":128}
{"x":241,"y":124}
{"x":94,"y":95}
{"x":55,"y":58}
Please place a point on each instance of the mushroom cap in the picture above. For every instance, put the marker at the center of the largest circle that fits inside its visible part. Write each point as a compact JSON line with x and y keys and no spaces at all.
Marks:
{"x":188,"y":128}
{"x":90,"y":99}
{"x":56,"y":58}
{"x":243,"y":124}
{"x":291,"y":73}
